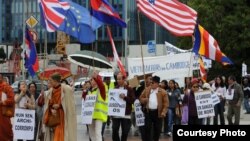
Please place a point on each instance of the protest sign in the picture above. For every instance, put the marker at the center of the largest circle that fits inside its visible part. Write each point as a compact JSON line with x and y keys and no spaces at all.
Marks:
{"x":117,"y":106}
{"x":88,"y":109}
{"x":139,"y":116}
{"x":24,"y":124}
{"x":215,"y":98}
{"x":204,"y":104}
{"x":229,"y":94}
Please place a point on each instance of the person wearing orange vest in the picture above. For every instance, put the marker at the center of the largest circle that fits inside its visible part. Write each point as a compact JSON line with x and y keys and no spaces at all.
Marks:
{"x":100,"y":114}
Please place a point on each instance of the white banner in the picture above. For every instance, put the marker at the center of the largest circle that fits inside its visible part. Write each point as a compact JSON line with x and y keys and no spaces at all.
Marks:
{"x":167,"y":67}
{"x":24,"y":124}
{"x":175,"y":66}
{"x":204,"y":104}
{"x":88,"y":110}
{"x":117,"y":106}
{"x":82,"y":111}
{"x":244,"y":69}
{"x":215,"y":98}
{"x":139,"y":115}
{"x":229,"y":94}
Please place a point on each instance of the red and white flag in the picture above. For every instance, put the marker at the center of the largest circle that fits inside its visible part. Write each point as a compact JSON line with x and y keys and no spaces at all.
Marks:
{"x":116,"y":57}
{"x":173,"y":15}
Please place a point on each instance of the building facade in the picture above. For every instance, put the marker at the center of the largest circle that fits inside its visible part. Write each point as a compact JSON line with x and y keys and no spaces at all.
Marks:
{"x":12,"y":24}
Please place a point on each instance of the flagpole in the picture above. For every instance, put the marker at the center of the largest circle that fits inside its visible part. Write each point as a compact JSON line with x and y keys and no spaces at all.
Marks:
{"x":24,"y":45}
{"x":126,"y":33}
{"x":139,"y":25}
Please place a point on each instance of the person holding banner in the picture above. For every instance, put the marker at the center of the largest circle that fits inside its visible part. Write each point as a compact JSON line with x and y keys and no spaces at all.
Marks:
{"x":100,"y":114}
{"x":6,"y":100}
{"x":60,"y":103}
{"x":219,"y":108}
{"x":189,"y":100}
{"x":156,"y":101}
{"x":124,"y":122}
{"x":24,"y":100}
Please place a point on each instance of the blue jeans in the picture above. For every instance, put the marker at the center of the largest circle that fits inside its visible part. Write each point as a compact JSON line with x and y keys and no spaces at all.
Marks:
{"x":171,"y":113}
{"x":246,"y":104}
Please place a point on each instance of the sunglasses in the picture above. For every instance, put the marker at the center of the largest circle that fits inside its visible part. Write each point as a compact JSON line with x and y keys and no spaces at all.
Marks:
{"x":194,"y":86}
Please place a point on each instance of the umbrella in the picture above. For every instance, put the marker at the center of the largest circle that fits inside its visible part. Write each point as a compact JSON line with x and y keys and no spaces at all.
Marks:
{"x":45,"y":75}
{"x":90,"y":59}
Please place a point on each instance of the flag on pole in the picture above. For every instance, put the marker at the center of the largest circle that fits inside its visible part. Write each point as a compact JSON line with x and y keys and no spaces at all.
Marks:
{"x":116,"y":57}
{"x":206,"y":45}
{"x":52,"y":13}
{"x":244,"y":69}
{"x":203,"y":72}
{"x":173,"y":15}
{"x":104,"y":12}
{"x":31,"y":60}
{"x":80,"y":24}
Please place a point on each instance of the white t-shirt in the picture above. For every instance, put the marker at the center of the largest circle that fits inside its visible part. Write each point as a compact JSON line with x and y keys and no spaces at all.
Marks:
{"x":153,"y":103}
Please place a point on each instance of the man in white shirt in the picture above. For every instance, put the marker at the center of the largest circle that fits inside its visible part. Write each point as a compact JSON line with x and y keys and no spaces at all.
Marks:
{"x":156,"y":101}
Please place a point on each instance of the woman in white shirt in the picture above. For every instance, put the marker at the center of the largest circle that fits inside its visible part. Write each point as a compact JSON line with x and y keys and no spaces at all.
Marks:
{"x":220,"y":90}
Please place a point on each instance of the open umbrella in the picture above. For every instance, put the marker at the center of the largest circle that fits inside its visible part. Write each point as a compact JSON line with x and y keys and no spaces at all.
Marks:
{"x":90,"y":59}
{"x":45,"y":75}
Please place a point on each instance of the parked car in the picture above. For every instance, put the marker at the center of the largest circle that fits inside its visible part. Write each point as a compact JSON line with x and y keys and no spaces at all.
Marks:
{"x":78,"y":84}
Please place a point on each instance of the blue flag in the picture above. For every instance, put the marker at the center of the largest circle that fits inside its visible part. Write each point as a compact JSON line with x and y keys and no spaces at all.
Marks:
{"x":80,"y":24}
{"x":104,"y":12}
{"x":31,"y":60}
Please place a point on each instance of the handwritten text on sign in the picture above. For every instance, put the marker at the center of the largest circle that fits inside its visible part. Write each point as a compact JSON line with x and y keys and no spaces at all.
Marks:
{"x":117,"y":106}
{"x":139,"y":116}
{"x":204,"y":104}
{"x":24,"y":123}
{"x":88,"y":109}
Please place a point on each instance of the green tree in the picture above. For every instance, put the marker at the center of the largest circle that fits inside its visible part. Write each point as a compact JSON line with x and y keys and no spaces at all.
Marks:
{"x":228,"y":21}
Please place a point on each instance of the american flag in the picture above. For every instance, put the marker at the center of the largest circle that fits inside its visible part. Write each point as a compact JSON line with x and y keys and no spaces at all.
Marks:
{"x":52,"y":13}
{"x":173,"y":15}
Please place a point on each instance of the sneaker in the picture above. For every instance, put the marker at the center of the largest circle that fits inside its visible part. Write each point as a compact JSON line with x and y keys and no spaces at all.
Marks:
{"x":169,"y":134}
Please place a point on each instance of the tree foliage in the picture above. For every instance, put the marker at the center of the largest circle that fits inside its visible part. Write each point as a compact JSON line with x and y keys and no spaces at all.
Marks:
{"x":228,"y":21}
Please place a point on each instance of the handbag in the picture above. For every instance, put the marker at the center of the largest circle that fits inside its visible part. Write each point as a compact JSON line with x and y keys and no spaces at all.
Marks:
{"x":51,"y":120}
{"x":8,"y":111}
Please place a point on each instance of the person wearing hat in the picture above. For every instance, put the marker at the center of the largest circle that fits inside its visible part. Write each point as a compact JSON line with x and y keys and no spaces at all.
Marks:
{"x":156,"y":101}
{"x":189,"y":100}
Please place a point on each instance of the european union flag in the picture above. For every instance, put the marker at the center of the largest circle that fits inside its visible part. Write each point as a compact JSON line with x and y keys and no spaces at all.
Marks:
{"x":80,"y":24}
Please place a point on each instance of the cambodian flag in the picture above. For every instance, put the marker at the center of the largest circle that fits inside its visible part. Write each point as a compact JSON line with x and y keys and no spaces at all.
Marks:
{"x":31,"y":60}
{"x":104,"y":12}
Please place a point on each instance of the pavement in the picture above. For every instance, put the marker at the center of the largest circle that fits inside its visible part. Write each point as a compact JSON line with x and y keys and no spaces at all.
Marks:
{"x":82,"y":134}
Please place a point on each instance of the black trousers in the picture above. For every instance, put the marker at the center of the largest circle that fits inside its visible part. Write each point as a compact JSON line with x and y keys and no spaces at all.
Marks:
{"x":152,"y":119}
{"x":125,"y":125}
{"x":219,"y":111}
